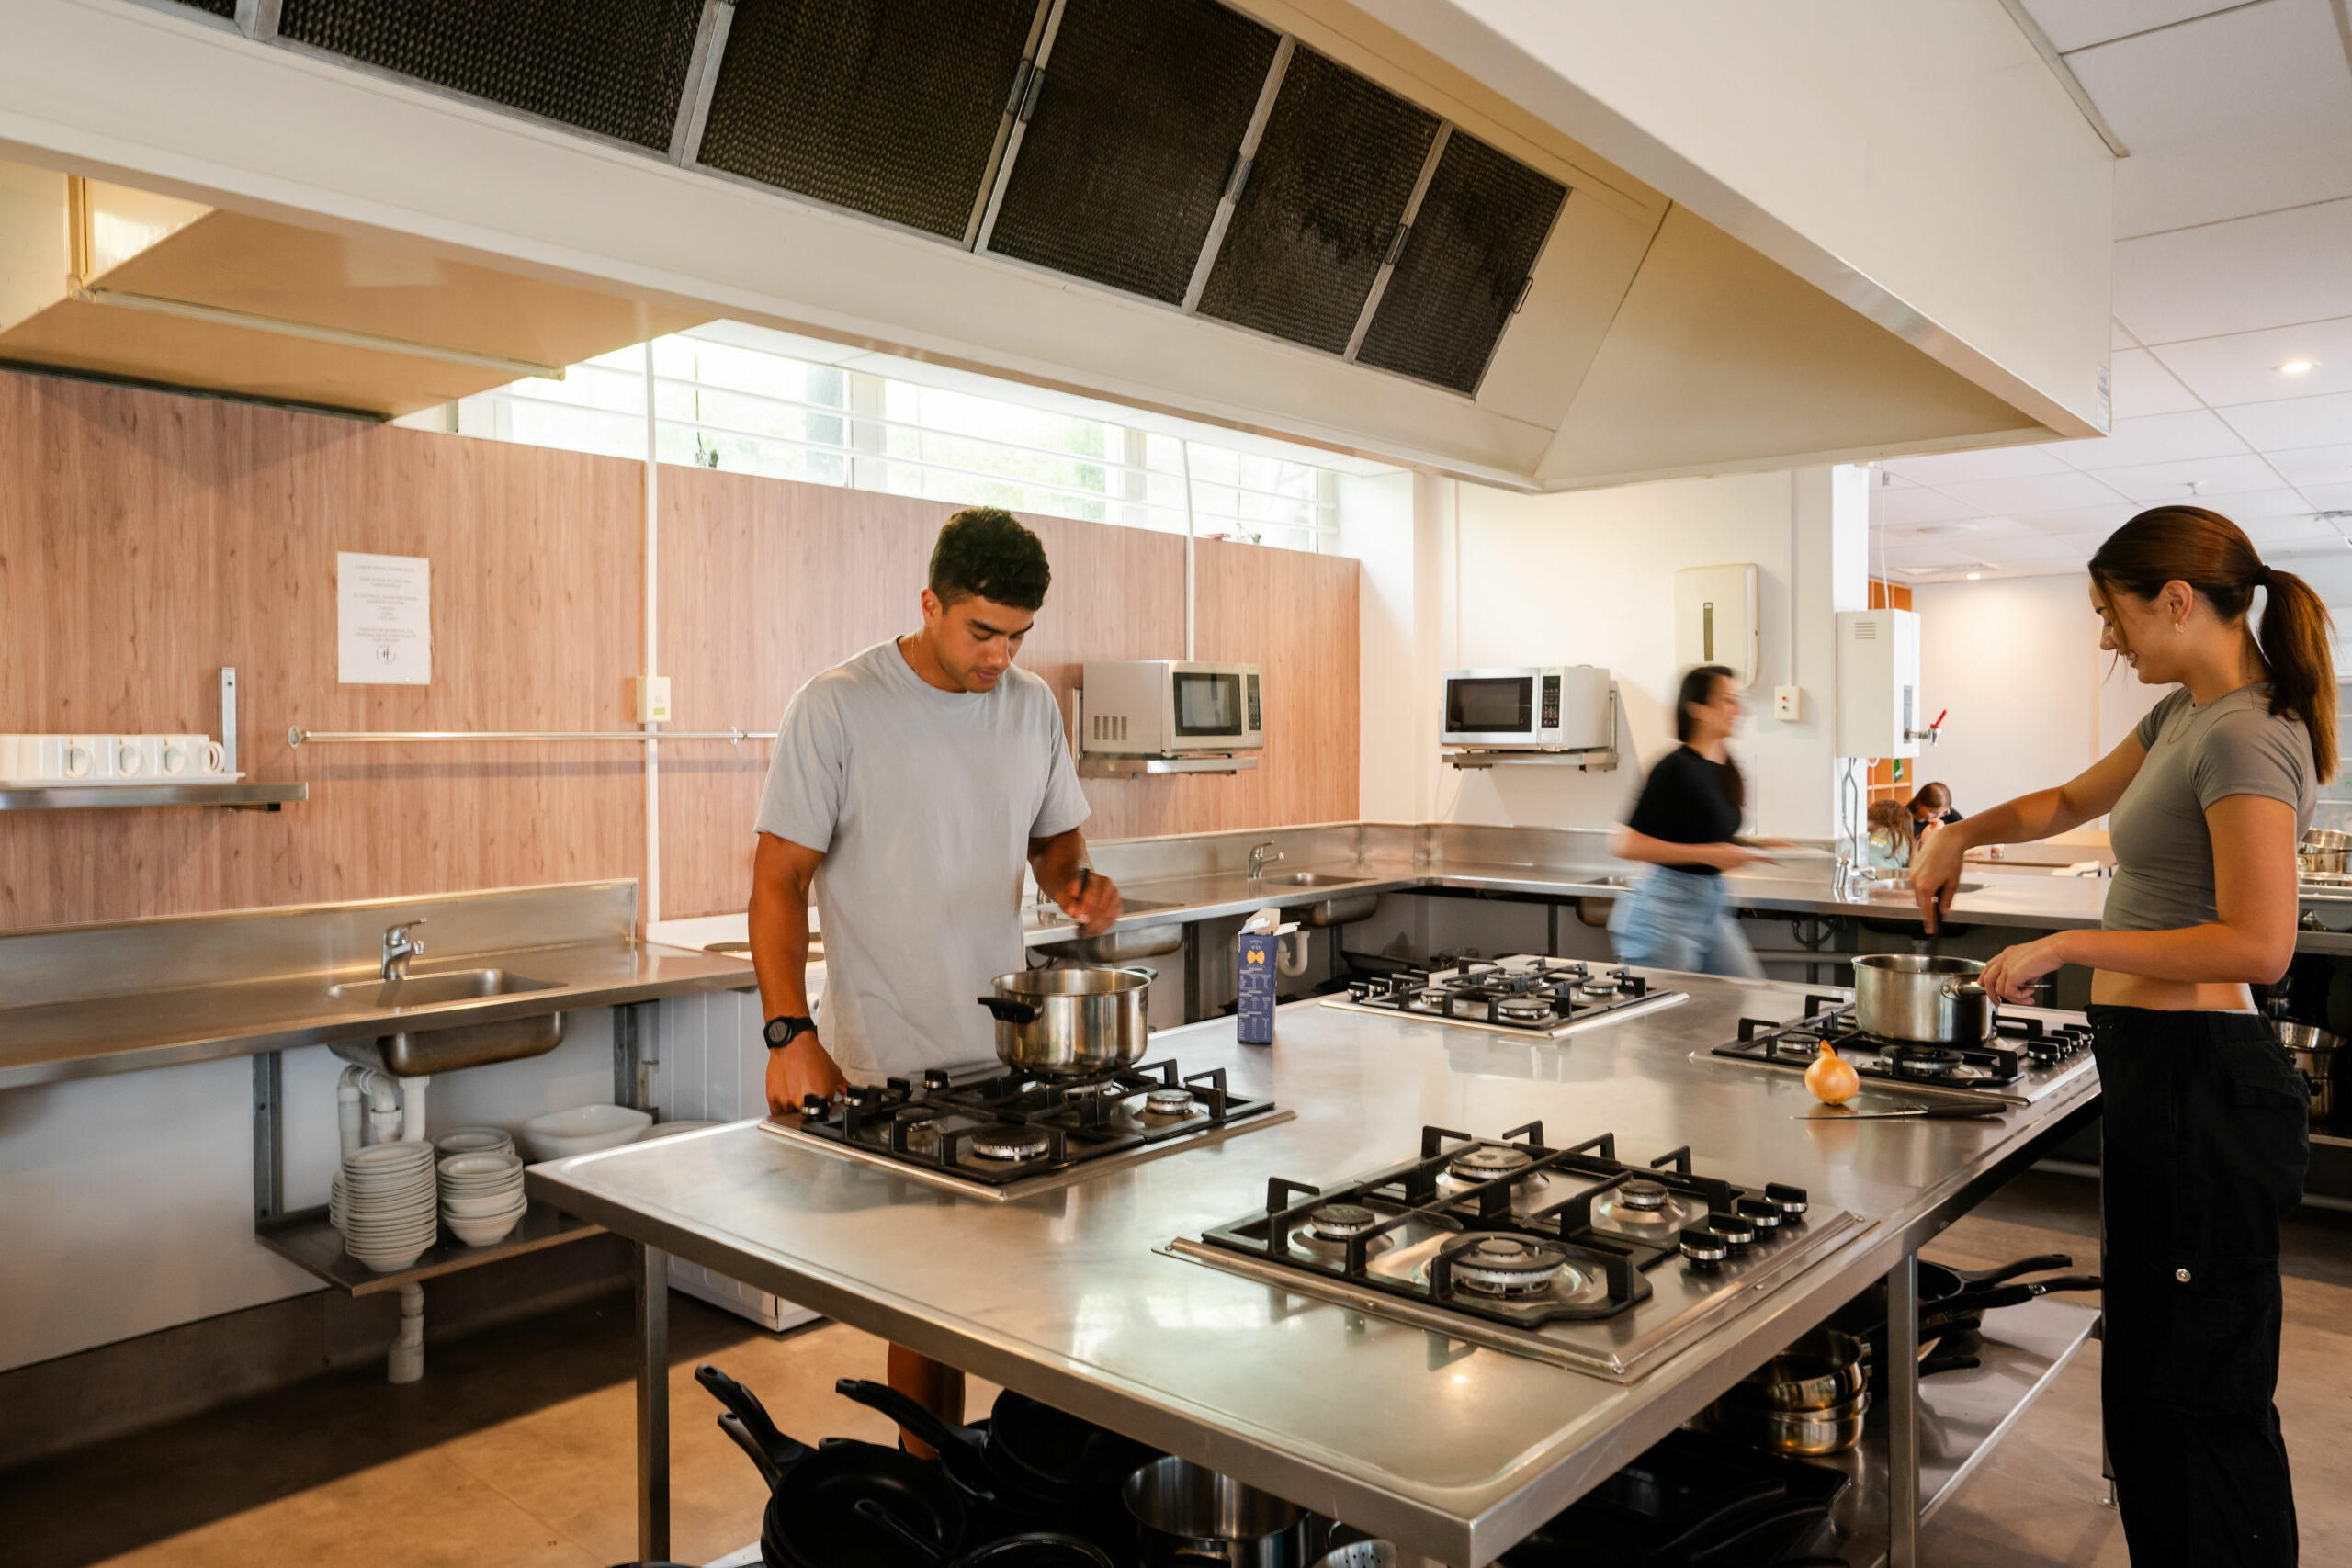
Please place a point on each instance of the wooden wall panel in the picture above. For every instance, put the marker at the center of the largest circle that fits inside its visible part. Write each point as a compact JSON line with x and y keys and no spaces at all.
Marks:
{"x":146,"y":539}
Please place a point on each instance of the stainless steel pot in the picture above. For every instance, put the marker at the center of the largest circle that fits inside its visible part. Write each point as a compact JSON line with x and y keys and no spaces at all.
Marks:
{"x":1186,"y":1513}
{"x":1822,"y":1369}
{"x":2316,"y":1053}
{"x":1066,"y":1021}
{"x":1806,"y":1434}
{"x":2321,"y":863}
{"x":1929,"y":1001}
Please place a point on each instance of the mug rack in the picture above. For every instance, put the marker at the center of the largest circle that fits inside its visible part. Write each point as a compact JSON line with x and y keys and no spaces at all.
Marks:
{"x":236,"y":796}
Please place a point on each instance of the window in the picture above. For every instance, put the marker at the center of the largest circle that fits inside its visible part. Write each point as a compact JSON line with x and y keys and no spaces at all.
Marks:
{"x":725,"y":405}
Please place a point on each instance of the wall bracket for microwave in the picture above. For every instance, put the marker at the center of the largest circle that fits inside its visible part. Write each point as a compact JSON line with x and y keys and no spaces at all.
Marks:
{"x":1138,"y":767}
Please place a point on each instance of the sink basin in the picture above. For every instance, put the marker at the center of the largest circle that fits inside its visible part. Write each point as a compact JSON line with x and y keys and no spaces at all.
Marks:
{"x":1308,"y":879}
{"x":423,"y":1049}
{"x":1900,"y":892}
{"x":431,"y":990}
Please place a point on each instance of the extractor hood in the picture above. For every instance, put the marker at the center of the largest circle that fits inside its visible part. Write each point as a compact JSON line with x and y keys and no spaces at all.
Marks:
{"x":1280,"y":215}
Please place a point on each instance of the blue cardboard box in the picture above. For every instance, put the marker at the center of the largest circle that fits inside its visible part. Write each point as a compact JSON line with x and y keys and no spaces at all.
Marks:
{"x":1254,"y":986}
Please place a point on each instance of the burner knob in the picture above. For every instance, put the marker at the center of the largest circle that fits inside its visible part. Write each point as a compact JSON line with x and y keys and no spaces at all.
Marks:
{"x":934,"y":1077}
{"x":1789,"y":1201}
{"x":1704,"y":1250}
{"x":815,"y":1105}
{"x":1734,"y":1230}
{"x":1766,"y":1216}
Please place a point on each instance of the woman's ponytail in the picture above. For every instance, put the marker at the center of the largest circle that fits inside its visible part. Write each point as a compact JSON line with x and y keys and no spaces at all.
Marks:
{"x":2212,"y":555}
{"x":2298,"y":641}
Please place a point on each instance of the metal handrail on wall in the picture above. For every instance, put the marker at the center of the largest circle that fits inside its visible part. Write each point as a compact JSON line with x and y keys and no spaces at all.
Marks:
{"x":296,"y":735}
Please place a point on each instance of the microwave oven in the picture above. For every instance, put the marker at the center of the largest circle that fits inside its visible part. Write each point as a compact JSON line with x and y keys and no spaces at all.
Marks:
{"x":1551,"y":707}
{"x":1168,"y":707}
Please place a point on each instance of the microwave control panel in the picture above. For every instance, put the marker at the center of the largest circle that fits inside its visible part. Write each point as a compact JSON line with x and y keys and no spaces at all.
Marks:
{"x":1255,"y":727}
{"x":1551,"y":702}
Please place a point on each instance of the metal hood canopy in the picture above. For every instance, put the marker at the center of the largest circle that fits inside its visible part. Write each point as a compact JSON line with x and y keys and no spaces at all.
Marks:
{"x":1287,"y":218}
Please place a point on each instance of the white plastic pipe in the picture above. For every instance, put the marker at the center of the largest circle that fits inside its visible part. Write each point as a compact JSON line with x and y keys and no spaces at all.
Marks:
{"x":411,"y":1098}
{"x":349,"y":1129}
{"x":405,"y":1363}
{"x":1291,"y":953}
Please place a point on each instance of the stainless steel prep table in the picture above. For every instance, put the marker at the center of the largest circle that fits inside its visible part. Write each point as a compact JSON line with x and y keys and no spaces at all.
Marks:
{"x":1452,"y":1452}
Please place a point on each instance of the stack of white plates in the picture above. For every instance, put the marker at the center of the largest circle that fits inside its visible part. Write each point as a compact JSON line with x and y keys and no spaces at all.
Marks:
{"x":475,"y":1141}
{"x":482,"y":1195}
{"x":382,"y":1201}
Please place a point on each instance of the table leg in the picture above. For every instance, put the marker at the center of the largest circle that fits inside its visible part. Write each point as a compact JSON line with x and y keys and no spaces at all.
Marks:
{"x":1903,"y":1413}
{"x":649,"y":1273}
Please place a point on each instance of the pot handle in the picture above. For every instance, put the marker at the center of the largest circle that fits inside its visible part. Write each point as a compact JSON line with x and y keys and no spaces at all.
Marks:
{"x":1148,"y":974}
{"x":1006,"y":1010}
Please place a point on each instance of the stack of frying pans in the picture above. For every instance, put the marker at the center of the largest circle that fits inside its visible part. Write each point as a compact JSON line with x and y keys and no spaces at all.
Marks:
{"x":1952,"y":1304}
{"x":1023,"y":1490}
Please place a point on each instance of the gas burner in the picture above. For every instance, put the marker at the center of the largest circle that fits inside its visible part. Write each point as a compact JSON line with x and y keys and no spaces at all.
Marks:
{"x":1507,"y":1266}
{"x":1523,"y":994}
{"x":1640,"y":1194}
{"x":1489,"y":1161}
{"x":1523,"y":1008}
{"x":1599,"y":990}
{"x":922,"y":1136}
{"x":1646,"y":1210}
{"x":1014,"y":1143}
{"x":1430,"y":998}
{"x":1095,"y":1089}
{"x":1337,"y":1222}
{"x":1169,"y":1101}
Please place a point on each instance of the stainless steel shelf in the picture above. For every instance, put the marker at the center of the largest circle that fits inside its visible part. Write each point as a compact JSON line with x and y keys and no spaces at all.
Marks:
{"x":1961,"y":1417}
{"x":1136,"y":767}
{"x":305,"y":1237}
{"x":92,"y":797}
{"x":1596,"y":761}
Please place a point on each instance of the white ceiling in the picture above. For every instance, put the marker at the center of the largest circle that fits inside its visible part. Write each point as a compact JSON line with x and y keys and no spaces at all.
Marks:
{"x":2233,"y":257}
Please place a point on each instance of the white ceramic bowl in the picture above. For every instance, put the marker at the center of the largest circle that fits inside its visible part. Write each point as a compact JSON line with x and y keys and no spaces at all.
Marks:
{"x":476,"y":1208}
{"x":486,"y":1231}
{"x":583,"y":1130}
{"x":487,"y":1165}
{"x":475,"y":1140}
{"x":396,"y":1156}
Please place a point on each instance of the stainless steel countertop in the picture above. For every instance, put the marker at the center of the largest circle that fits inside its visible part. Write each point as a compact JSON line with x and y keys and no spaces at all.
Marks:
{"x":88,"y":1037}
{"x":1449,"y":1450}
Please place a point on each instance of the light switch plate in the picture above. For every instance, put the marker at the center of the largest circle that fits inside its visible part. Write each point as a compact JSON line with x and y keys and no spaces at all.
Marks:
{"x":1788,"y":704}
{"x":654,"y":699}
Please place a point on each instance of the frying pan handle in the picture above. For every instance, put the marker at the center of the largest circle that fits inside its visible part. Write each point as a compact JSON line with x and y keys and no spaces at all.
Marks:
{"x":927,"y":1425}
{"x":1987,"y":1298}
{"x":875,"y":1514}
{"x":782,"y":1451}
{"x":733,"y":1425}
{"x":1006,"y":1010}
{"x":2009,"y":1271}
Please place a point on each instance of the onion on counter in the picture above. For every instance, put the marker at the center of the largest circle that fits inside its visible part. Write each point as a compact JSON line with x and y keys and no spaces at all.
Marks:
{"x":1832,"y":1078}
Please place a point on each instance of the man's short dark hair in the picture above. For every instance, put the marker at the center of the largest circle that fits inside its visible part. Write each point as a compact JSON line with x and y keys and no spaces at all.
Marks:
{"x":985,"y":552}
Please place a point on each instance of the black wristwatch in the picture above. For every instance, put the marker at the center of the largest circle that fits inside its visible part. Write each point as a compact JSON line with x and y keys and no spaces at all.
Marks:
{"x":783,"y":1030}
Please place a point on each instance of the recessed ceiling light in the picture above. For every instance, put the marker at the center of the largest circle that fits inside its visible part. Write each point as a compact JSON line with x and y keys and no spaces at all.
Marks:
{"x":2296,"y":367}
{"x":1973,"y":576}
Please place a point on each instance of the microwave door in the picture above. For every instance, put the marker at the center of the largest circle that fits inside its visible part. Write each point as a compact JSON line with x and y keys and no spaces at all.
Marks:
{"x":1491,"y":706}
{"x":1208,"y":705}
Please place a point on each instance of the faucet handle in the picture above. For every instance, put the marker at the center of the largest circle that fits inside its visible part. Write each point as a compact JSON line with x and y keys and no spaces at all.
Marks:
{"x":399,"y":932}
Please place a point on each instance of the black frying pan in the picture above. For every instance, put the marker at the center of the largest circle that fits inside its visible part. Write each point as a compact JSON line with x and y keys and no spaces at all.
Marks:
{"x":1032,"y":1448}
{"x":963,"y":1454}
{"x":823,"y":1501}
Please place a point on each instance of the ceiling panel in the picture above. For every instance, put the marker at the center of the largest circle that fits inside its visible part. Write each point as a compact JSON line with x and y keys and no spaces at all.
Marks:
{"x":2287,"y":533}
{"x":2272,"y":270}
{"x":2246,"y":112}
{"x":2296,"y":422}
{"x":2002,"y":463}
{"x":2072,"y":24}
{"x":2274,"y":501}
{"x":2156,"y":439}
{"x":2244,"y":367}
{"x":2076,"y":522}
{"x":2142,"y":386}
{"x":1910,"y":507}
{"x":2156,"y":482}
{"x":2040,"y":492}
{"x":2316,"y":465}
{"x":2336,"y":497}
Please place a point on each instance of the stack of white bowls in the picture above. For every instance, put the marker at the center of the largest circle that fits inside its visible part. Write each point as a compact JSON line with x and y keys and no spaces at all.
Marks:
{"x":382,"y":1203}
{"x":482,"y":1195}
{"x":475,"y":1141}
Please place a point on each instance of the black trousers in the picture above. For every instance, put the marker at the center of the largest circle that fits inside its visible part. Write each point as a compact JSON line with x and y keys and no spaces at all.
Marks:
{"x":2206,"y":1139}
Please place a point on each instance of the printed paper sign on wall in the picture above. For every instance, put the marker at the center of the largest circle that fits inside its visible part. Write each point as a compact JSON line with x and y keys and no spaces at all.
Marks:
{"x":384,"y":619}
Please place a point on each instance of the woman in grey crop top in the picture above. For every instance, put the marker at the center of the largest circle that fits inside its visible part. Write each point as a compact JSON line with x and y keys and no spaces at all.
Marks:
{"x":2206,"y":1130}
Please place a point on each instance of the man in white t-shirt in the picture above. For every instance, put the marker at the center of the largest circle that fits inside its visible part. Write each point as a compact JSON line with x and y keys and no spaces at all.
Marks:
{"x":910,"y":785}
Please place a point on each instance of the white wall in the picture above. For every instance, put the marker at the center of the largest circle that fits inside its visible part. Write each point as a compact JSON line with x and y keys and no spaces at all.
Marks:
{"x":1587,"y":578}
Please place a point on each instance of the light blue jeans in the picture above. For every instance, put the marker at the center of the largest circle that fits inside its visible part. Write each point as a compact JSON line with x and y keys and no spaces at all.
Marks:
{"x":1679,"y":920}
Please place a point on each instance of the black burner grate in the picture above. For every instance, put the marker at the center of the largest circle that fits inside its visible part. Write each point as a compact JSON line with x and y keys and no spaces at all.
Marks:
{"x":615,"y":67}
{"x":885,"y":107}
{"x":1136,"y":124}
{"x":1480,"y":227}
{"x":1326,"y":191}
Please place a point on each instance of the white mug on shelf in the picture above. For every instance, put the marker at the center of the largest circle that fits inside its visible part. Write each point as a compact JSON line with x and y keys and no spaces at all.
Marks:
{"x":17,"y":754}
{"x":135,"y":756}
{"x":96,"y":756}
{"x":190,"y":756}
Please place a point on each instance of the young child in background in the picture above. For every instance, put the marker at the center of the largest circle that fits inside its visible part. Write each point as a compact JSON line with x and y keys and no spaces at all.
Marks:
{"x":1888,"y":846}
{"x":1931,"y":809}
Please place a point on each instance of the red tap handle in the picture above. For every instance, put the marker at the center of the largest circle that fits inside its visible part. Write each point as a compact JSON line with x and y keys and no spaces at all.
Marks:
{"x":1940,"y":720}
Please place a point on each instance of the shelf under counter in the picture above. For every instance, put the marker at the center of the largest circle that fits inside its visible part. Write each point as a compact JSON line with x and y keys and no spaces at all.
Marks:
{"x":304,"y":1238}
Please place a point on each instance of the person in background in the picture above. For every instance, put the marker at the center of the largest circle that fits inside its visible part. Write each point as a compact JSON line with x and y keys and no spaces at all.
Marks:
{"x":919,"y":778}
{"x":1686,"y":824}
{"x":2206,"y":1120}
{"x":1931,"y":809}
{"x":1888,"y":846}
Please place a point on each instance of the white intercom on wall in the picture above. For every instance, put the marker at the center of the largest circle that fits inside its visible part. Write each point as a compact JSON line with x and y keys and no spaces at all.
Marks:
{"x":1716,"y":620}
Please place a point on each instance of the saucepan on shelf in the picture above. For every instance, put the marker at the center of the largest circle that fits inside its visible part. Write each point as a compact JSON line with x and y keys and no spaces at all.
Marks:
{"x":2324,"y":851}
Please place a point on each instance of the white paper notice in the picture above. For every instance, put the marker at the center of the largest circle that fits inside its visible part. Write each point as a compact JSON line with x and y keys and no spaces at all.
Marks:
{"x":384,"y":619}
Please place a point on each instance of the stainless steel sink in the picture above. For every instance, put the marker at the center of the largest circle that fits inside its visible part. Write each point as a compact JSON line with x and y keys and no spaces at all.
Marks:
{"x":1310,"y":879}
{"x":1900,"y":892}
{"x":424,"y":1048}
{"x":431,"y":990}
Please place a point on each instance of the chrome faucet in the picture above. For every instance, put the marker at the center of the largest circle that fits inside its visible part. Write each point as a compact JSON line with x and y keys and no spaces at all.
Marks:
{"x":1260,"y":859}
{"x":400,"y":947}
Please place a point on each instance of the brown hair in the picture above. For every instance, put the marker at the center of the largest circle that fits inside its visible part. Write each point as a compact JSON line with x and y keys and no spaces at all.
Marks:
{"x":2212,"y":555}
{"x":1935,"y":797}
{"x":1699,"y":686}
{"x":1890,"y":815}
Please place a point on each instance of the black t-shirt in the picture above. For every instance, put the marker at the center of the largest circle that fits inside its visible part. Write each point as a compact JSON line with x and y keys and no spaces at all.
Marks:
{"x":1684,"y":803}
{"x":1919,"y":825}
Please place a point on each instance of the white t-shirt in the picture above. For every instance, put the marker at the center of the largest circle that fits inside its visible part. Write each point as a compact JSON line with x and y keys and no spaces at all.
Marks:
{"x":922,"y":803}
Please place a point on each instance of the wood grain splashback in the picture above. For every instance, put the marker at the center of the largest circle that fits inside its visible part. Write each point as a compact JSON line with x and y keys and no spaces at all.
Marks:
{"x":147,"y":539}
